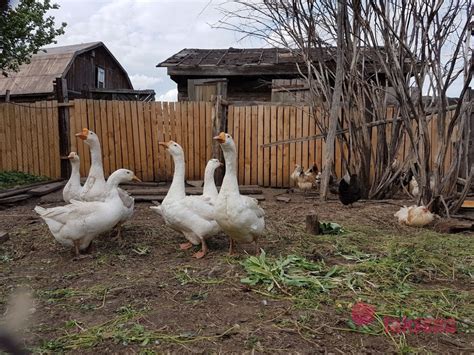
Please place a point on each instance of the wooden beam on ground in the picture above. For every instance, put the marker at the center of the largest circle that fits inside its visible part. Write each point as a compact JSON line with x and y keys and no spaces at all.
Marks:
{"x":14,"y":199}
{"x":244,"y":190}
{"x":160,"y":198}
{"x":23,"y":189}
{"x":46,"y":189}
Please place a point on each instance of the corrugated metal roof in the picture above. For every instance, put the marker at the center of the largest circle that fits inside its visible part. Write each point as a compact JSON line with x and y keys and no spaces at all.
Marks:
{"x":38,"y":76}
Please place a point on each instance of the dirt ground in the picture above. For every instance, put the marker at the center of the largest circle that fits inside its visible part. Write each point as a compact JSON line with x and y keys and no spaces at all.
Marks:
{"x":150,"y":297}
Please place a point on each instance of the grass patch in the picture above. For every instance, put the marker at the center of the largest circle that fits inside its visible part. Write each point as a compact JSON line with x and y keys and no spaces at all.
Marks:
{"x":9,"y":179}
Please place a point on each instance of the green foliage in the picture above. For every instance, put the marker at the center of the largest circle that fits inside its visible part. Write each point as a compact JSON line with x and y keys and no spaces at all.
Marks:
{"x":330,"y":228}
{"x":24,"y":30}
{"x":291,"y":271}
{"x":10,"y":179}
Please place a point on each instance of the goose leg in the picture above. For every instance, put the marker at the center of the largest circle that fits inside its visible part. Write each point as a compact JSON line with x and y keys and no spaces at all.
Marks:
{"x":231,"y":246}
{"x":200,"y":254}
{"x":185,"y":246}
{"x":76,"y":248}
{"x":257,"y":249}
{"x":118,"y":236}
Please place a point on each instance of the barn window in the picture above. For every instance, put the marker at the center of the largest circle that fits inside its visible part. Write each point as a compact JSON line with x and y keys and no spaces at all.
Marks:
{"x":100,"y":77}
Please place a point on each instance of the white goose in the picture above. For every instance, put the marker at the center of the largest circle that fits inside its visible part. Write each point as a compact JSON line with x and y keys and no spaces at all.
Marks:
{"x":76,"y":224}
{"x":73,"y":188}
{"x":192,"y":216}
{"x":209,"y":191}
{"x":94,"y":188}
{"x":239,"y":216}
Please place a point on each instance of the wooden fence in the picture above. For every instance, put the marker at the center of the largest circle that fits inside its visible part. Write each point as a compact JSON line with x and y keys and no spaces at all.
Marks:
{"x":130,"y":131}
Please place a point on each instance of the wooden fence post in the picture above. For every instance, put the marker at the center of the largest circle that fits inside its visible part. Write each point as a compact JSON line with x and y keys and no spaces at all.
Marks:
{"x":470,"y":96}
{"x":219,"y":124}
{"x":63,"y":125}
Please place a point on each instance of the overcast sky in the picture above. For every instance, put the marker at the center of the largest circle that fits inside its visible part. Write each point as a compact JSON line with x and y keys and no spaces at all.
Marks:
{"x":141,"y":34}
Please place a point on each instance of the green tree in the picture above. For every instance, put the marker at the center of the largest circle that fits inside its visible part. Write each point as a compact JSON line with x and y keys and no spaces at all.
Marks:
{"x":24,"y":29}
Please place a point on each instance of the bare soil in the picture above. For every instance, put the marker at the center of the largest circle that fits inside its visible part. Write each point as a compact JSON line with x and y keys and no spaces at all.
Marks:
{"x":150,"y":297}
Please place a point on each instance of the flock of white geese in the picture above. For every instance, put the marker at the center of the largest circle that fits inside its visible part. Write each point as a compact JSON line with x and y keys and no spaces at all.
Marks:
{"x":101,"y":205}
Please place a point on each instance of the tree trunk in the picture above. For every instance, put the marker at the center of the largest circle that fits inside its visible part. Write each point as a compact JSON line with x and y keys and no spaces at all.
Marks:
{"x":335,"y":102}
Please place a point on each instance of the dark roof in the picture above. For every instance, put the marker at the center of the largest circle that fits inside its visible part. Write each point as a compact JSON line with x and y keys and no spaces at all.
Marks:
{"x":50,"y":63}
{"x":191,"y":57}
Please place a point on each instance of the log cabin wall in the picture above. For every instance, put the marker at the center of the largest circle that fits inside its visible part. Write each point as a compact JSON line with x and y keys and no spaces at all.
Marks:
{"x":83,"y":71}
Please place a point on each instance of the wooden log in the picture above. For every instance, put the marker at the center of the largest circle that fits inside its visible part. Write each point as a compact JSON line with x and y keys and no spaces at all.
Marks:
{"x":453,"y":226}
{"x":195,"y":183}
{"x":312,"y":223}
{"x":189,"y":190}
{"x":23,"y":189}
{"x":160,"y":198}
{"x":46,"y":189}
{"x":283,"y":199}
{"x":13,"y":199}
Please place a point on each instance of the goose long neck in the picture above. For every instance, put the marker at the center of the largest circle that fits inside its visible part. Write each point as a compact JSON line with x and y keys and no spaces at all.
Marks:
{"x":209,"y":188}
{"x":176,"y":190}
{"x":75,"y":175}
{"x":96,"y":161}
{"x":230,"y":183}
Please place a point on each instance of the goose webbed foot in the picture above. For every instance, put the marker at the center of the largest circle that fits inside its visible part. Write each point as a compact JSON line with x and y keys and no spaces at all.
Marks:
{"x":201,"y":253}
{"x":185,"y":246}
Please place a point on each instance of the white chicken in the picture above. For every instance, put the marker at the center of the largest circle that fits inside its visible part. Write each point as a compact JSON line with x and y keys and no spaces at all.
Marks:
{"x":415,"y":216}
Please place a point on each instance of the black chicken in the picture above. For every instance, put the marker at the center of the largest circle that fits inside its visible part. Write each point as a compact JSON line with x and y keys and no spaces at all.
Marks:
{"x":349,"y":189}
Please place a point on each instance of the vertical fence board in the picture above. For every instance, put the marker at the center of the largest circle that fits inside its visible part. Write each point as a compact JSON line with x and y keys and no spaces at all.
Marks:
{"x":286,"y":147}
{"x":260,"y":125}
{"x":266,"y":151}
{"x":273,"y":149}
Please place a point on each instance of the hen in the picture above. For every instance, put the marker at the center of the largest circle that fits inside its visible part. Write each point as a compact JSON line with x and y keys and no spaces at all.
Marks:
{"x":349,"y":189}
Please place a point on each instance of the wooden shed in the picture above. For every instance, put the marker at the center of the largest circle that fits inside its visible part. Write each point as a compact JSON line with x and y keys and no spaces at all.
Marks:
{"x":90,"y":70}
{"x":240,"y":74}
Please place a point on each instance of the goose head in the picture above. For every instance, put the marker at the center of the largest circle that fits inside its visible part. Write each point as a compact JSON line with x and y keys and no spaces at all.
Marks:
{"x":73,"y":157}
{"x":173,"y":148}
{"x":226,"y":141}
{"x":121,"y":176}
{"x":89,"y":137}
{"x":213,"y":164}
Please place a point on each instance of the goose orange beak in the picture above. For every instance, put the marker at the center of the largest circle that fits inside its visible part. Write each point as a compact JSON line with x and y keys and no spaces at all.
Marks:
{"x":83,"y":135}
{"x":135,"y":178}
{"x":220,"y":138}
{"x":164,"y":144}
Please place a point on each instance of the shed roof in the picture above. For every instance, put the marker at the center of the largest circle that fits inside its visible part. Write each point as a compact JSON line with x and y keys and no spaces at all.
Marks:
{"x":50,"y":63}
{"x":242,"y":61}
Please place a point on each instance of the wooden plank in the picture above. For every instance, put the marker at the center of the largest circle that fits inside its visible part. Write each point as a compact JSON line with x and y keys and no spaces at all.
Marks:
{"x":154,"y":140}
{"x":46,"y":188}
{"x":236,"y":136}
{"x":299,"y":134}
{"x":248,"y":144}
{"x":166,"y":137}
{"x":39,"y":134}
{"x":242,"y":142}
{"x":29,"y":139}
{"x":36,"y":134}
{"x":312,"y":144}
{"x":280,"y":130}
{"x":273,"y":149}
{"x":266,"y":151}
{"x":260,"y":133}
{"x":6,"y":137}
{"x":100,"y":115}
{"x":254,"y":150}
{"x":149,"y":176}
{"x":86,"y":158}
{"x":292,"y":146}
{"x":141,"y":136}
{"x":110,"y":117}
{"x":14,"y":137}
{"x":185,"y":133}
{"x":286,"y":147}
{"x":160,"y":198}
{"x":196,"y":157}
{"x":161,"y":151}
{"x":319,"y":142}
{"x":130,"y":148}
{"x":209,"y":141}
{"x":19,"y":130}
{"x":190,"y":153}
{"x":56,"y":157}
{"x":3,"y":117}
{"x":305,"y":146}
{"x":14,"y":199}
{"x":137,"y":166}
{"x":203,"y":142}
{"x":193,"y":190}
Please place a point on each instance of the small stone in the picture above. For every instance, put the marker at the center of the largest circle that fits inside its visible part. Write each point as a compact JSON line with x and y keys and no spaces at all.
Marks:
{"x":265,"y":302}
